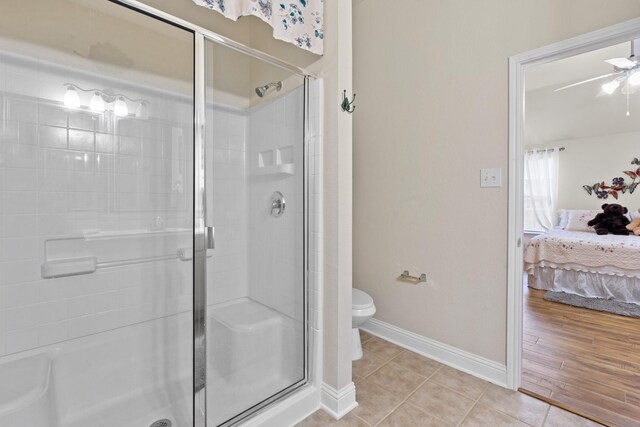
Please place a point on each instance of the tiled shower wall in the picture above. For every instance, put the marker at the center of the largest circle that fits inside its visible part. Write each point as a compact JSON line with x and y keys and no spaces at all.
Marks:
{"x":72,"y":173}
{"x":226,"y":135}
{"x":275,"y":243}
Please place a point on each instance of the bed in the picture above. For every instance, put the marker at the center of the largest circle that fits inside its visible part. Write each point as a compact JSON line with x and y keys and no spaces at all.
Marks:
{"x":584,"y":263}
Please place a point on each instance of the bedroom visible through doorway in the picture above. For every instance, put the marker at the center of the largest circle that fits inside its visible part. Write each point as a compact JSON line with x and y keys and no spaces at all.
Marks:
{"x":581,"y":289}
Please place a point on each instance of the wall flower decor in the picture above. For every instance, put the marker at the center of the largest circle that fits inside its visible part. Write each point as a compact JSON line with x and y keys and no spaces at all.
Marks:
{"x":618,"y":185}
{"x":299,"y":22}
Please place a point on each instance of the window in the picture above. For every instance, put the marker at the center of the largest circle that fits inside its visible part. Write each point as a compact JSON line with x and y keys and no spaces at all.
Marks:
{"x":540,"y":189}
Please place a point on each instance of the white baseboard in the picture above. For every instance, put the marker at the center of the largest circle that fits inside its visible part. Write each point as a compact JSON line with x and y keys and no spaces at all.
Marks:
{"x":459,"y":359}
{"x":338,"y":403}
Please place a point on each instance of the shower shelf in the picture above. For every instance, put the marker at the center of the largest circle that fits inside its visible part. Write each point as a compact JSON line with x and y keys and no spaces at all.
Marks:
{"x":284,"y":169}
{"x":276,"y":162}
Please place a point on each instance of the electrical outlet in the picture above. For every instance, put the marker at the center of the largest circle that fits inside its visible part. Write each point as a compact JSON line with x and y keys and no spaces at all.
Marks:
{"x":491,"y":177}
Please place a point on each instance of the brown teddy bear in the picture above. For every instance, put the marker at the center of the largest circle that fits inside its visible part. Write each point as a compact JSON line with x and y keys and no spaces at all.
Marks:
{"x":612,"y":220}
{"x":634,"y":226}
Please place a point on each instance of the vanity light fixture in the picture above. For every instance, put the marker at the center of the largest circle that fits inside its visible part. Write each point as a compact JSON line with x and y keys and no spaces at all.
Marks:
{"x":101,"y":98}
{"x":71,"y":97}
{"x":97,"y":103}
{"x":121,"y":108}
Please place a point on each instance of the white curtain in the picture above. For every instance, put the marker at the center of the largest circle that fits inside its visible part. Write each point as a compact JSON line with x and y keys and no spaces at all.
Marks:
{"x":295,"y":21}
{"x":541,"y":188}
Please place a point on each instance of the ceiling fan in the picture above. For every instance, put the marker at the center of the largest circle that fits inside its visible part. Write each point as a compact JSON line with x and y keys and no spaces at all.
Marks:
{"x":626,"y":73}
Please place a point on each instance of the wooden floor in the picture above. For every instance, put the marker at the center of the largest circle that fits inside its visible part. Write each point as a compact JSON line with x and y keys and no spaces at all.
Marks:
{"x":584,"y":359}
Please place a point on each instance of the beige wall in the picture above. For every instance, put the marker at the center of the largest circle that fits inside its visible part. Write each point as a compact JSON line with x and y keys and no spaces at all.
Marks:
{"x":110,"y":40}
{"x":432,"y":78}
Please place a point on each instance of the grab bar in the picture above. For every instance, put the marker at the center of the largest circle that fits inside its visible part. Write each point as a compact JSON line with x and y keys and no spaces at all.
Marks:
{"x":89,"y":265}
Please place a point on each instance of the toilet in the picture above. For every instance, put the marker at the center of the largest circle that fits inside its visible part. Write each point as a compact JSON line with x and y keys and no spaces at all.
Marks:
{"x":362,"y":309}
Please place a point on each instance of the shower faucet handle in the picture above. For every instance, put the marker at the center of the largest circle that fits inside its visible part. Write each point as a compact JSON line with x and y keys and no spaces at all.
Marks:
{"x":278,"y":204}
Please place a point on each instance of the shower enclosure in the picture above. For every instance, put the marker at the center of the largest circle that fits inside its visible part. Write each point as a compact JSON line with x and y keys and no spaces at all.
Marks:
{"x":153,"y":220}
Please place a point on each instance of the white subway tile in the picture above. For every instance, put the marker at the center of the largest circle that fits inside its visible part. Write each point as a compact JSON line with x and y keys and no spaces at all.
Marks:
{"x":21,"y":340}
{"x":3,"y":321}
{"x":107,"y":320}
{"x":79,"y":161}
{"x":21,"y":294}
{"x":84,"y":121}
{"x":21,"y":271}
{"x":80,"y":306}
{"x":21,"y":155}
{"x":52,"y":333}
{"x":80,"y":326}
{"x":22,"y":110}
{"x":51,"y":115}
{"x":52,"y":137}
{"x":53,"y":311}
{"x":52,"y":202}
{"x":106,"y":301}
{"x":105,"y":143}
{"x":21,"y":179}
{"x":16,"y":249}
{"x":22,"y":317}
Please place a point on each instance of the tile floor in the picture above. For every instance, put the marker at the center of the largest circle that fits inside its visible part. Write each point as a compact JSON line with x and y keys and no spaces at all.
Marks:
{"x":398,"y":388}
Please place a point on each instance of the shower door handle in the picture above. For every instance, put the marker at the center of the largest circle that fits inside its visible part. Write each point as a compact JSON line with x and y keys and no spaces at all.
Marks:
{"x":210,"y":237}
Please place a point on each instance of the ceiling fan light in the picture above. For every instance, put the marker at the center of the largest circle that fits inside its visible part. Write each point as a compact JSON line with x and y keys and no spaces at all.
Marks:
{"x":622,"y":63}
{"x":634,"y":79}
{"x":610,"y":87}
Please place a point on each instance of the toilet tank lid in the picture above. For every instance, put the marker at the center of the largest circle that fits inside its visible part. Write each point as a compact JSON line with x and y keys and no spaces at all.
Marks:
{"x":360,"y":299}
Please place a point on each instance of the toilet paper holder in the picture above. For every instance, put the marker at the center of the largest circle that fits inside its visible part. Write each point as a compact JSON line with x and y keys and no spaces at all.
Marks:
{"x":406,"y":277}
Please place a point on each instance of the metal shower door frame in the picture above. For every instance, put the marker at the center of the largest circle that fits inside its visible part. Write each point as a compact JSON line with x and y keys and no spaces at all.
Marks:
{"x":201,"y":236}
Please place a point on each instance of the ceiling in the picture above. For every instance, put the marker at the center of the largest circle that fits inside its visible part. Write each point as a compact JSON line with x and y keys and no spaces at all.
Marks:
{"x":581,"y":111}
{"x":575,"y":68}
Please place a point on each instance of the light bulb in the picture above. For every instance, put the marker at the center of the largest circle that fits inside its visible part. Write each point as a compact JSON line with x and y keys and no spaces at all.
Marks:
{"x":141,"y":111}
{"x":610,"y":87}
{"x":121,"y":108}
{"x":71,"y":98}
{"x":634,"y":79}
{"x":97,"y":103}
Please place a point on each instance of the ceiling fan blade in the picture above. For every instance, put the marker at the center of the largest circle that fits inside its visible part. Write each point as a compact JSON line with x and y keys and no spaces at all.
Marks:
{"x":624,"y":63}
{"x":586,"y":81}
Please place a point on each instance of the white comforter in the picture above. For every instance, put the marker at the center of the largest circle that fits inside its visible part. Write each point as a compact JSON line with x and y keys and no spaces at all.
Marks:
{"x":585,"y":251}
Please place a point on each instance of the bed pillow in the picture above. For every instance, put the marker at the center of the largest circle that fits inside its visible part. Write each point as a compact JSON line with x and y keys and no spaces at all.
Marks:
{"x":578,"y":219}
{"x":562,"y":219}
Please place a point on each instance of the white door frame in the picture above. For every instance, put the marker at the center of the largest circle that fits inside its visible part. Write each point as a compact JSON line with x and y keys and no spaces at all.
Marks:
{"x":598,"y":39}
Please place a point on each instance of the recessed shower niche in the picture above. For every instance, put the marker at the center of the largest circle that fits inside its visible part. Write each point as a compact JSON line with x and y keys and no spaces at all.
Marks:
{"x":278,"y":161}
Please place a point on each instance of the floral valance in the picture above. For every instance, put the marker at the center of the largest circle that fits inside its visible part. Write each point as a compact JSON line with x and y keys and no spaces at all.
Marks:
{"x":295,"y":21}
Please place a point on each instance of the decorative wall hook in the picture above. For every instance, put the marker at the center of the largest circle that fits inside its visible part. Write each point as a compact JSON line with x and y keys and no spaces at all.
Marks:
{"x":346,"y":104}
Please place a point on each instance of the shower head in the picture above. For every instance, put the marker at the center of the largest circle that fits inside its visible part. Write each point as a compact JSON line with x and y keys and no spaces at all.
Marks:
{"x":262,"y":90}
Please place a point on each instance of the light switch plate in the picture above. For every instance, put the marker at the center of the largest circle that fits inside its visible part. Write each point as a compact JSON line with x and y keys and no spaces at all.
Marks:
{"x":491,"y":177}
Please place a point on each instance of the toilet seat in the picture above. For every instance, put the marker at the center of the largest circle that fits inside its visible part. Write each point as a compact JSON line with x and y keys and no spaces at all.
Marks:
{"x":360,"y":300}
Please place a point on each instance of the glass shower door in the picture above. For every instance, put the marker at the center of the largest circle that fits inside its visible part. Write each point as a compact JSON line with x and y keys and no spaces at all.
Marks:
{"x":255,"y":171}
{"x":96,"y":216}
